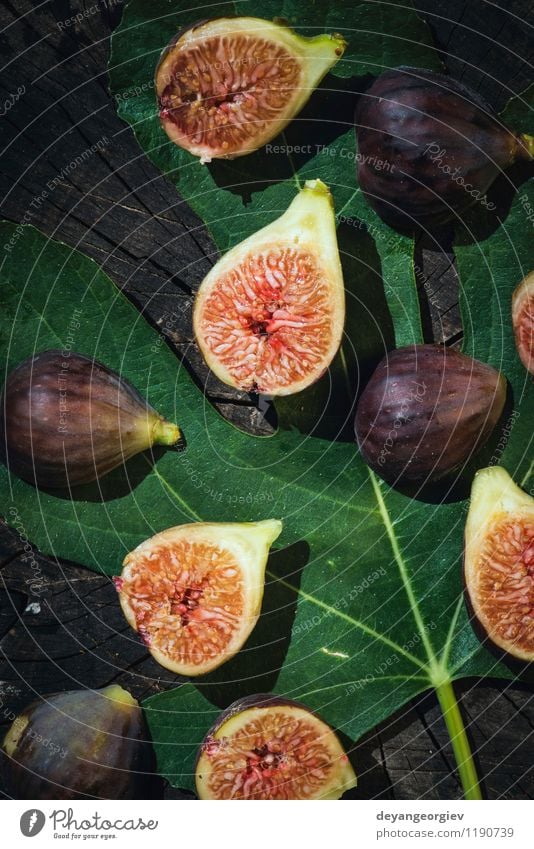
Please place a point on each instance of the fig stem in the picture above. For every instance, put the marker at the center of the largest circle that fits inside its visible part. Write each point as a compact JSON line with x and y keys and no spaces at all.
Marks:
{"x":523,"y":483}
{"x":119,"y":695}
{"x":296,"y":177}
{"x":527,"y":146}
{"x":460,"y":743}
{"x":165,"y":433}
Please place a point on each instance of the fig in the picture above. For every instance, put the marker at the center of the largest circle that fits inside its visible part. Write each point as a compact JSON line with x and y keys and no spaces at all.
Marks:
{"x":269,"y":315}
{"x":83,"y":744}
{"x":429,"y":148}
{"x":68,"y":420}
{"x":227,"y":86}
{"x":424,"y":412}
{"x":194,"y":592}
{"x":267,"y":747}
{"x":499,"y":561}
{"x":523,"y":321}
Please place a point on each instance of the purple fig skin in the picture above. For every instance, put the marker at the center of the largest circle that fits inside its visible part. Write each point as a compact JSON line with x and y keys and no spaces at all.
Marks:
{"x":82,"y":744}
{"x":425,"y":411}
{"x":68,"y":420}
{"x":441,"y":144}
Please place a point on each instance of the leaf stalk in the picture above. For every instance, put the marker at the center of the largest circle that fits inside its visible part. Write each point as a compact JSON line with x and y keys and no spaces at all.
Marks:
{"x":460,"y":743}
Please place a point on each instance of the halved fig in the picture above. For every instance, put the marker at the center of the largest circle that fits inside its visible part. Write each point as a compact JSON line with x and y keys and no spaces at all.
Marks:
{"x":523,"y":321}
{"x":227,"y":86}
{"x":194,"y":592}
{"x":269,"y":315}
{"x":499,"y":561}
{"x":267,"y":747}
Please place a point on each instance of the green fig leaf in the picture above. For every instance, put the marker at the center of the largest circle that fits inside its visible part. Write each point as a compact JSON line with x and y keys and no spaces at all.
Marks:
{"x":363,"y":605}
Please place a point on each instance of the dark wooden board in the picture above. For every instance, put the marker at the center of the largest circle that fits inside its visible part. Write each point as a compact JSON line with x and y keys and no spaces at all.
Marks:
{"x":118,"y":209}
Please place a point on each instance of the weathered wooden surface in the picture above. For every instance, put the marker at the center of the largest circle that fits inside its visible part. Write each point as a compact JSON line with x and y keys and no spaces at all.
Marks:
{"x":68,"y":631}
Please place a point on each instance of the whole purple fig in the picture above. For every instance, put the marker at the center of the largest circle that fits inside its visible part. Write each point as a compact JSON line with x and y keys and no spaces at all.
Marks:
{"x":80,"y":744}
{"x":429,"y":148}
{"x":425,"y":411}
{"x":68,"y":420}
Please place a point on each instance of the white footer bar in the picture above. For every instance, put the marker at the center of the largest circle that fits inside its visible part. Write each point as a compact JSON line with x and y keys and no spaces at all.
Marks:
{"x":269,"y":825}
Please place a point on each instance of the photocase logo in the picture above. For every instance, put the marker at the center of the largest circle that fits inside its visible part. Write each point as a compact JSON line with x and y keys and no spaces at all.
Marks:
{"x":32,"y":822}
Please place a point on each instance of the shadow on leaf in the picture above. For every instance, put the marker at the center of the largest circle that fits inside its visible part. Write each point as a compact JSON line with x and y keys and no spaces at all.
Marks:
{"x":118,"y":483}
{"x":478,"y":223}
{"x":327,"y":408}
{"x":328,"y":114}
{"x":256,"y":667}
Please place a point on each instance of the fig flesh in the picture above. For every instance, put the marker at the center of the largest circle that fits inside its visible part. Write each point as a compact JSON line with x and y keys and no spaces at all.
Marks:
{"x":266,"y":747}
{"x":194,"y":592}
{"x":68,"y":420}
{"x":425,"y":411}
{"x":523,"y":321}
{"x":227,"y":86}
{"x":82,"y":744}
{"x":269,"y":315}
{"x":429,"y":148}
{"x":499,"y":561}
